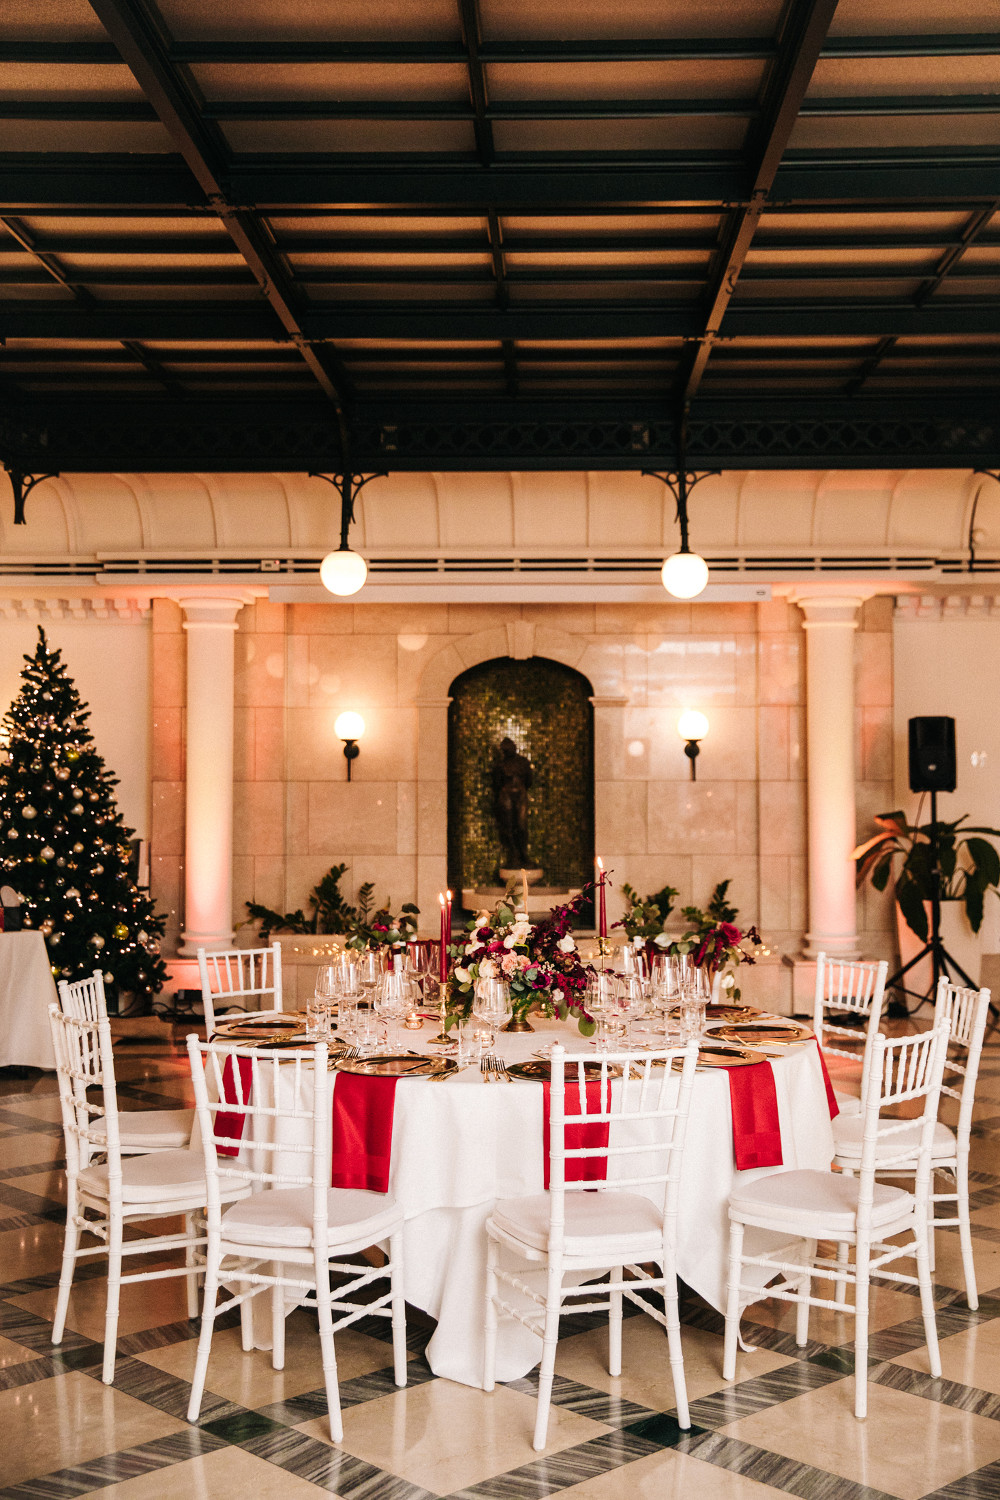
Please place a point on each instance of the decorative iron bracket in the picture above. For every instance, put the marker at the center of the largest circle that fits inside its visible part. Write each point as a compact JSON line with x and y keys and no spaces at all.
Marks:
{"x":987,"y":474}
{"x":22,"y":485}
{"x":349,"y":486}
{"x":680,"y":483}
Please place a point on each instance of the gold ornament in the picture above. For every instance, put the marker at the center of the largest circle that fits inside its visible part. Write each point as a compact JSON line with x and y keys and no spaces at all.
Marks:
{"x":121,"y":931}
{"x":72,"y":755}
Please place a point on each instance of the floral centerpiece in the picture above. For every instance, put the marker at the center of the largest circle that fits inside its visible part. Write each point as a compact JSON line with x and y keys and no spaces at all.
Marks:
{"x":539,"y":961}
{"x":721,"y":948}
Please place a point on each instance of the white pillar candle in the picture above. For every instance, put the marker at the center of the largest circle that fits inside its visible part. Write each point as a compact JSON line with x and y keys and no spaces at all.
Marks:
{"x":830,"y":623}
{"x":208,"y":802}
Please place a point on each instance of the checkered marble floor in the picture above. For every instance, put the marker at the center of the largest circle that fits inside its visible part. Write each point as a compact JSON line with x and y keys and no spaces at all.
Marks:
{"x":785,"y":1426}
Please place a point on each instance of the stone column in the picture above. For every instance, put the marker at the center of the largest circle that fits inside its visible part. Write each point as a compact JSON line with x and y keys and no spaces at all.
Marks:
{"x":208,"y":802}
{"x":830,"y":624}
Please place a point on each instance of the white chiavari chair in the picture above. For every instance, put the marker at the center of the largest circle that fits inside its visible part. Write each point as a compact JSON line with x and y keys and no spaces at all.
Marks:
{"x":965,"y":1013}
{"x":576,"y":1228}
{"x":231,"y":980}
{"x":117,"y":1191}
{"x":848,"y":989}
{"x":139,"y":1131}
{"x":859,"y":1211}
{"x":292,"y":1217}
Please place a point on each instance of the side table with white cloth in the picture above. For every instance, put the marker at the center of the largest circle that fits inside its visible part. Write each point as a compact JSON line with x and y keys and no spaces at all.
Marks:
{"x":458,"y":1146}
{"x":27,"y":989}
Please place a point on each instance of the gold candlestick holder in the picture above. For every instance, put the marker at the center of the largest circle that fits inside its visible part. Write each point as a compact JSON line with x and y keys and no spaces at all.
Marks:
{"x":442,"y":1039}
{"x":604,"y":947}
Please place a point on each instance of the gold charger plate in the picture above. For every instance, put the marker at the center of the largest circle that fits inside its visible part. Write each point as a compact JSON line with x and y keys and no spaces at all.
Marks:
{"x":541,"y":1072}
{"x":764,"y":1035}
{"x":399,"y":1065}
{"x":263,"y":1039}
{"x":253,"y":1026}
{"x":728,"y":1057}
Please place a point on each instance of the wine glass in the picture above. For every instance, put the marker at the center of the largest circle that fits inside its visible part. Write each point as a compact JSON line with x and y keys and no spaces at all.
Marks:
{"x":392,"y":1001}
{"x":491,"y":1005}
{"x":320,"y":1010}
{"x":695,"y":991}
{"x":634,"y":1002}
{"x":665,"y":984}
{"x":603,"y":1003}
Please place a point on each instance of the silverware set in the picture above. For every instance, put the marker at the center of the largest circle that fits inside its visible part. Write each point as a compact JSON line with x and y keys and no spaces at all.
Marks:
{"x":494,"y":1069}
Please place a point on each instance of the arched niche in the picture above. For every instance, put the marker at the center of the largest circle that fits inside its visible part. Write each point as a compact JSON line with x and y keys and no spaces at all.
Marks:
{"x":544,"y":707}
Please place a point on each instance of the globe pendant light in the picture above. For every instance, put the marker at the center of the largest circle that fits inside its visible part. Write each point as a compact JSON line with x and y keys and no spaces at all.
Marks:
{"x":685,"y":573}
{"x":344,"y":572}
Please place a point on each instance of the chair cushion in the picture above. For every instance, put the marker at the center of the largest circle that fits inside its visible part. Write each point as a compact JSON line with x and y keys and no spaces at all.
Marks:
{"x":848,"y":1133}
{"x":814,"y":1204}
{"x":160,"y":1177}
{"x":284,"y":1216}
{"x":590,"y":1218}
{"x":156,"y":1129}
{"x":848,"y":1104}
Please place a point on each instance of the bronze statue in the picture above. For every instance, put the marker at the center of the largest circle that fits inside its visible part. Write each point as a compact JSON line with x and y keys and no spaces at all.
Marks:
{"x":512,"y":776}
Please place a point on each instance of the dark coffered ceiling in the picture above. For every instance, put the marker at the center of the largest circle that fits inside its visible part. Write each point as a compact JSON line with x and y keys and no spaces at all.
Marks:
{"x":472,"y":233}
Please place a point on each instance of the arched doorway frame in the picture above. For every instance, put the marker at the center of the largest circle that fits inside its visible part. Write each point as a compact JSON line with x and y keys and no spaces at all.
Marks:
{"x":521,"y":639}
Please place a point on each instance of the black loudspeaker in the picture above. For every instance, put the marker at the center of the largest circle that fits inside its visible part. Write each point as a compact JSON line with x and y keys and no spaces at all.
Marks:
{"x":932,"y":755}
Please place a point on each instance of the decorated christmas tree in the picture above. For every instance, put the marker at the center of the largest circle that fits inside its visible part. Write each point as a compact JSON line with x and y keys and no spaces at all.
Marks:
{"x":65,"y":849}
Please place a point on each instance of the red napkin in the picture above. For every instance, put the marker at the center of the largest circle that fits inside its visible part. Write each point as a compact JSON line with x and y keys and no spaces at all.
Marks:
{"x":232,"y":1125}
{"x":579,"y":1137}
{"x":362,"y":1131}
{"x":831,"y":1097}
{"x":754,"y":1104}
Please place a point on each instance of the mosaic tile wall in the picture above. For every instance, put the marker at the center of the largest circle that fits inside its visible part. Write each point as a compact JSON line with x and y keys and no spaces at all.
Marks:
{"x":545,"y":709}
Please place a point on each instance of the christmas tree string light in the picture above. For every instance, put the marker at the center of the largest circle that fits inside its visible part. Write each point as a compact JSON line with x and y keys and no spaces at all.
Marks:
{"x":65,"y":848}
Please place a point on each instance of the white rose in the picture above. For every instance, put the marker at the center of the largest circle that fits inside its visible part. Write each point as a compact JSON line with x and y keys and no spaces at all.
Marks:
{"x":463,"y":976}
{"x":482,"y":920}
{"x":471,"y":948}
{"x":487,"y":969}
{"x":566,"y":944}
{"x":661,"y":940}
{"x":509,"y":942}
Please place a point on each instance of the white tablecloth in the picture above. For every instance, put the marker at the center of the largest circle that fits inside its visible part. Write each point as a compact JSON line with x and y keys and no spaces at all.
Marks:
{"x":459,"y":1146}
{"x":26,"y":992}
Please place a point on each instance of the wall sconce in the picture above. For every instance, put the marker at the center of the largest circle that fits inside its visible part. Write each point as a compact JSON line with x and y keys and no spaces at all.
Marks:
{"x":692,"y":727}
{"x":350,"y":727}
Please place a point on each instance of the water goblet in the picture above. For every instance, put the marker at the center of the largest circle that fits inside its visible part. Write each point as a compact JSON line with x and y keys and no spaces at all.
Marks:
{"x":491,"y":1005}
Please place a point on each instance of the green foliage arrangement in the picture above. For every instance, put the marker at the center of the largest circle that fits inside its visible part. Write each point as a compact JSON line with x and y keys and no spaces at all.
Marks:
{"x":646,"y":919}
{"x":329,"y":913}
{"x":946,"y":859}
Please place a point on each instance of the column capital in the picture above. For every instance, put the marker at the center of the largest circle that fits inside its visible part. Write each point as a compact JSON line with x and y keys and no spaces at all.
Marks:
{"x":830,"y":609}
{"x":212,"y":612}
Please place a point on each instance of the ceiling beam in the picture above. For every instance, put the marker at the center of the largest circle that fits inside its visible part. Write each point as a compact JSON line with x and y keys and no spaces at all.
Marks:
{"x":143,"y":50}
{"x":457,"y":322}
{"x":803,"y":35}
{"x":813,"y":181}
{"x":468,"y":11}
{"x":641,"y":49}
{"x":482,"y":114}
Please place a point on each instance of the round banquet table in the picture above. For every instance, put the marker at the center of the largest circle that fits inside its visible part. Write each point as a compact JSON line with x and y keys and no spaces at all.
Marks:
{"x":460,"y":1145}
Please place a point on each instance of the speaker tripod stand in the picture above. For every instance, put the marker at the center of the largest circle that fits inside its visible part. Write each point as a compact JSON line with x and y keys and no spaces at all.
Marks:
{"x":942,"y":962}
